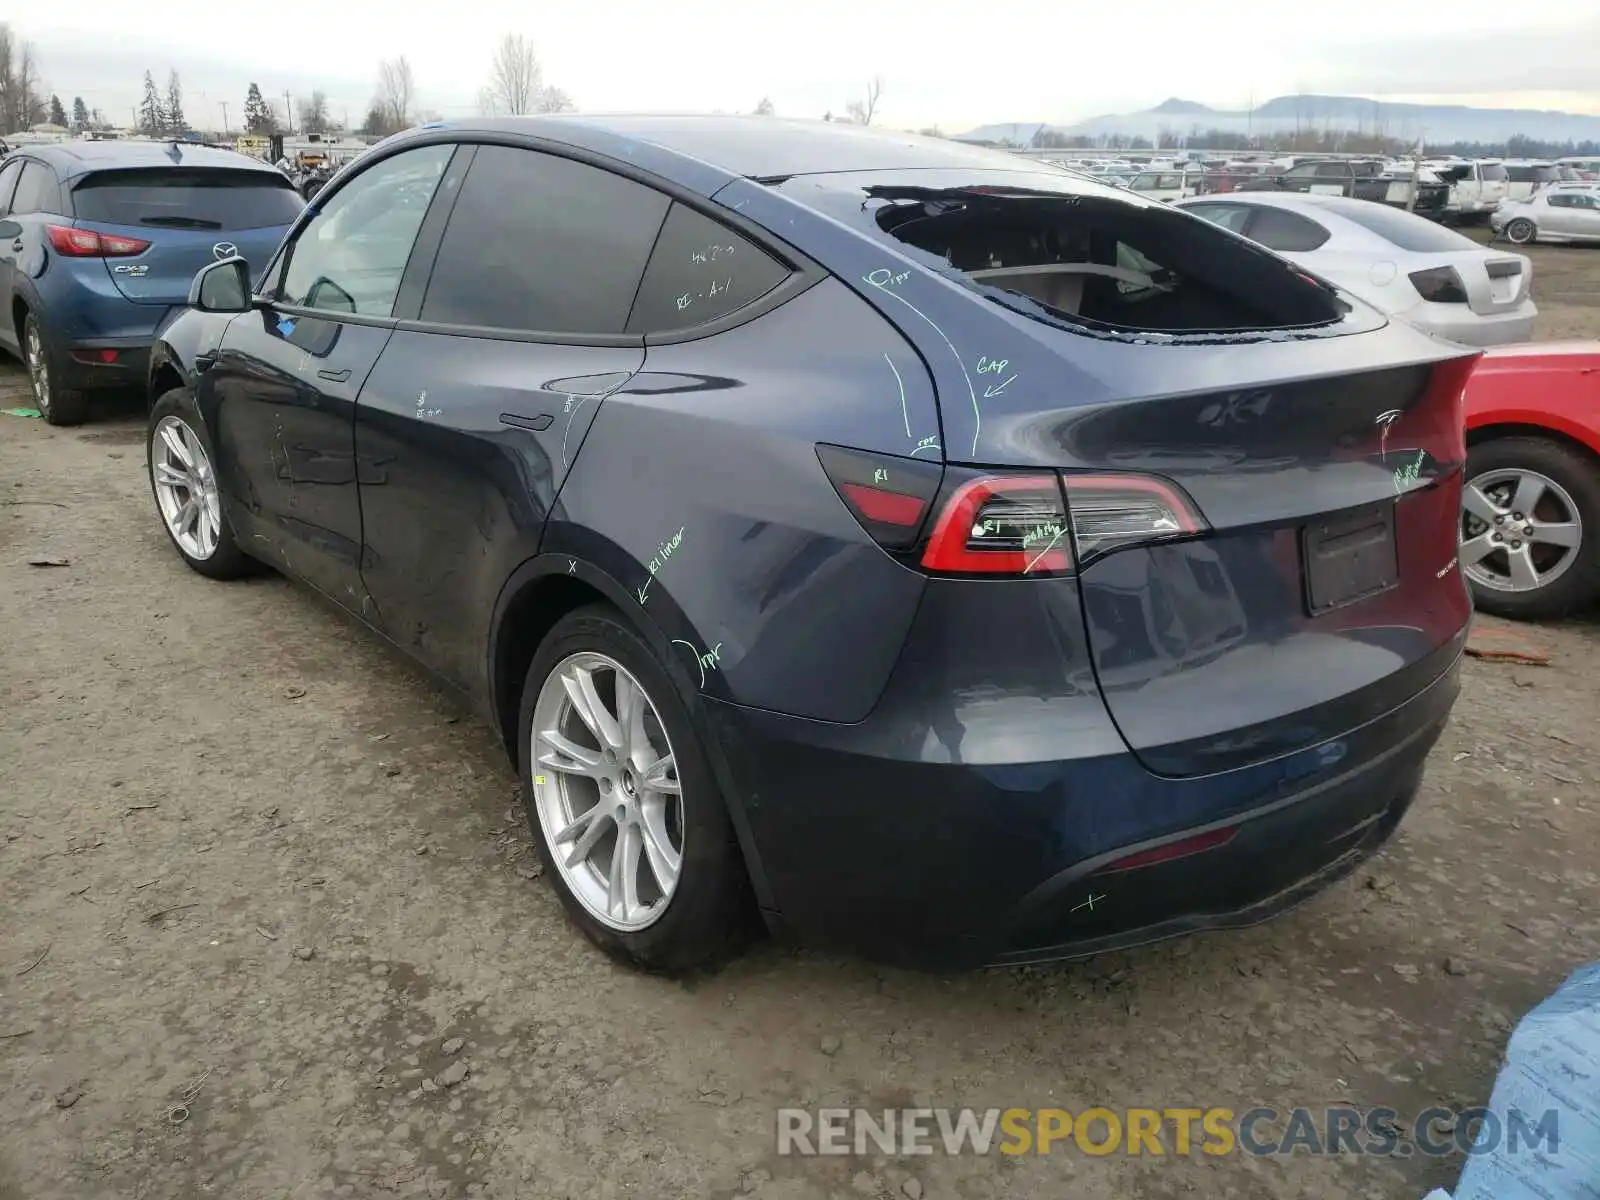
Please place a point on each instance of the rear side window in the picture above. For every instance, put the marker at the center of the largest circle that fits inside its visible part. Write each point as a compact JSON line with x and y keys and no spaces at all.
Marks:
{"x":1492,"y":173}
{"x":1286,"y":232}
{"x":187,"y":198}
{"x":1229,"y":216}
{"x":1403,"y":229}
{"x":700,"y":271}
{"x":542,"y":243}
{"x":1333,"y":171}
{"x":36,"y":191}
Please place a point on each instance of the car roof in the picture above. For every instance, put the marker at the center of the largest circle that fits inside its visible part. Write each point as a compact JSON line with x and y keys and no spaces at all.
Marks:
{"x":750,"y":146}
{"x":72,"y":159}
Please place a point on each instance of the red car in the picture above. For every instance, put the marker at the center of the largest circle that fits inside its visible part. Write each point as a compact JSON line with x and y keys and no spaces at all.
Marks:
{"x":1530,"y":510}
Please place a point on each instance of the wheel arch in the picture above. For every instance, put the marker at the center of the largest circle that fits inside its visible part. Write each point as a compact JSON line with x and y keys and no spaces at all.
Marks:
{"x":536,"y":596}
{"x":1497,"y":430}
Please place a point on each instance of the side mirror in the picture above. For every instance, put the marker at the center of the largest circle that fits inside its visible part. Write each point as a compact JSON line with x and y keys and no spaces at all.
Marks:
{"x":222,"y":287}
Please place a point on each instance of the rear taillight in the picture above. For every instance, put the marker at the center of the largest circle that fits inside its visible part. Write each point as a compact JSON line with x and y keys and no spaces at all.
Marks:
{"x":86,"y":243}
{"x":1111,"y":511}
{"x":1001,"y":525}
{"x":889,"y":495}
{"x":1441,"y":285}
{"x":961,"y":521}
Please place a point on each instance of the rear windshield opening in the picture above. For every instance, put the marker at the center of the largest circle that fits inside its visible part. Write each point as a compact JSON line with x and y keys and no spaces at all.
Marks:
{"x":1105,"y":262}
{"x":187,"y":198}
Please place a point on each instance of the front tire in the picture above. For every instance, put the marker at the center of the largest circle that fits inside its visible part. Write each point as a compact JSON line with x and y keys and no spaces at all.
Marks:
{"x":56,"y":404}
{"x":1522,"y":232}
{"x":181,"y":462}
{"x":622,"y":802}
{"x":1530,"y":528}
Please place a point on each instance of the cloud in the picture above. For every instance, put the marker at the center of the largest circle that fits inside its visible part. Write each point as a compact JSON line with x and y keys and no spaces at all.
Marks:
{"x":1550,"y":59}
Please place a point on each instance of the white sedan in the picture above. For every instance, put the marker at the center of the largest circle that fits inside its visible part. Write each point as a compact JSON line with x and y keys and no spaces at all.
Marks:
{"x":1398,"y":262}
{"x":1566,"y":213}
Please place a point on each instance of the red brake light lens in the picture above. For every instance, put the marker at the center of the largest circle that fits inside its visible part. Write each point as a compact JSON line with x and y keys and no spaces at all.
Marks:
{"x":888,"y":494}
{"x":86,"y":243}
{"x":1002,"y":525}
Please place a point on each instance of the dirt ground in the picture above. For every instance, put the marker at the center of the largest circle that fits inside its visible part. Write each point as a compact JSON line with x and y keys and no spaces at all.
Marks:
{"x":255,"y":874}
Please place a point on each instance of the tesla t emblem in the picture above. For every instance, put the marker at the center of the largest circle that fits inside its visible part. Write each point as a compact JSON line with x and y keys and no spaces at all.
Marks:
{"x":1384,"y":420}
{"x":224,"y":250}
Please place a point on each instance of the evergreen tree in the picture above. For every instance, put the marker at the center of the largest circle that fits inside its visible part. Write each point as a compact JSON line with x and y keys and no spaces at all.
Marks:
{"x":152,"y":116}
{"x":58,"y":115}
{"x":176,"y":124}
{"x":257,"y":116}
{"x":80,"y":113}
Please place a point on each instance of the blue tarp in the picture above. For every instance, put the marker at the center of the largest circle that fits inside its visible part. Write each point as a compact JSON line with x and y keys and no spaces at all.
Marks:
{"x":1541,"y":1139}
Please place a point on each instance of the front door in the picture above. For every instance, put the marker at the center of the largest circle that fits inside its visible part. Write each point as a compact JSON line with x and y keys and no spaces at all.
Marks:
{"x":280,"y":399}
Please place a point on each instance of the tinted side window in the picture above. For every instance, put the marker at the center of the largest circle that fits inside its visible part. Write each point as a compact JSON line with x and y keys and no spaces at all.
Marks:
{"x":1333,"y":171}
{"x":1520,"y":174}
{"x":8,"y":182}
{"x":1286,"y":232}
{"x":1557,"y":200}
{"x":1229,"y":216}
{"x":350,"y":256}
{"x":700,"y":271}
{"x":542,"y":243}
{"x":36,"y":190}
{"x":1303,"y":171}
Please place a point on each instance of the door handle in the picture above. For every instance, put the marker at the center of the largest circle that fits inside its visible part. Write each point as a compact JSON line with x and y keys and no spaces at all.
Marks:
{"x":17,"y":245}
{"x":334,"y":376}
{"x":205,"y":360}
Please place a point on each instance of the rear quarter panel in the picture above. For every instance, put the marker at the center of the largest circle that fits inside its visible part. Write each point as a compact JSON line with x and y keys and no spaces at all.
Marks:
{"x":1555,"y":387}
{"x":699,"y":490}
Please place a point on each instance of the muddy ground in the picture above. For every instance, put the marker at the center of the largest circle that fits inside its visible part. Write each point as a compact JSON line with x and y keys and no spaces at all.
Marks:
{"x":256,"y":875}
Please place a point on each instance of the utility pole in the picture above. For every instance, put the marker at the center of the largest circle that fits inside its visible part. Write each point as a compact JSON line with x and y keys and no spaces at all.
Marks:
{"x":224,"y":105}
{"x":1416,"y":175}
{"x":288,"y":113}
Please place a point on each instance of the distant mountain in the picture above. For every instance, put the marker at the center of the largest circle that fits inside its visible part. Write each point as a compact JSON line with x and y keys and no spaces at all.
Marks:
{"x":1437,"y":123}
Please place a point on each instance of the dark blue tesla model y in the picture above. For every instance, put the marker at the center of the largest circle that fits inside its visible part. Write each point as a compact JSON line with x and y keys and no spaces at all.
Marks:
{"x":950,"y":558}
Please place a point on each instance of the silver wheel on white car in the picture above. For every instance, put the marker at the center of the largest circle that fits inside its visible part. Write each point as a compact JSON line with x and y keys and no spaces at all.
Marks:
{"x":1522,"y":231}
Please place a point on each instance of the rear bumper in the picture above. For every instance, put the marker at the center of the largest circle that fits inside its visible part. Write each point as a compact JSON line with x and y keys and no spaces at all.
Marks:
{"x":1498,"y":329}
{"x":951,"y":865}
{"x":105,"y":363}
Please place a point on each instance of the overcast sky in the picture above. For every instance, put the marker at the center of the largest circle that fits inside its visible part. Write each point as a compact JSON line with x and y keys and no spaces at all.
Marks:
{"x":943,"y":63}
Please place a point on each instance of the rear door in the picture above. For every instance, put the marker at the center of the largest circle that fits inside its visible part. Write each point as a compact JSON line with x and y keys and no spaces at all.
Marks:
{"x":280,"y":399}
{"x":190,"y":216}
{"x":10,"y":236}
{"x":481,"y":401}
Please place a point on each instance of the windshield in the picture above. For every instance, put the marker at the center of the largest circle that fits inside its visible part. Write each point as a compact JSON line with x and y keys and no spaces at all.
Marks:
{"x":1064,"y":249}
{"x":187,"y":198}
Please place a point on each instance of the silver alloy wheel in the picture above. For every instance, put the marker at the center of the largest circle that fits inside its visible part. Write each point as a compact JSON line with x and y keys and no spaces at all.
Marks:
{"x":186,"y":487}
{"x":1521,"y":231}
{"x":1520,"y":530}
{"x":605,"y":787}
{"x":38,"y":367}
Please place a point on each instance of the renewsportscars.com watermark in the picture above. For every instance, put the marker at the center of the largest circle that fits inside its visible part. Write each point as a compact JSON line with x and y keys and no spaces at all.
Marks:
{"x":1161,"y":1131}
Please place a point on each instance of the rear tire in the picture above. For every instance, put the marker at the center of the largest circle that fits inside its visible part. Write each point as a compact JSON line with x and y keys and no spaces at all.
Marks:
{"x":1495,"y":468}
{"x":1522,"y":232}
{"x":701,"y":917}
{"x":56,"y":404}
{"x":181,"y":461}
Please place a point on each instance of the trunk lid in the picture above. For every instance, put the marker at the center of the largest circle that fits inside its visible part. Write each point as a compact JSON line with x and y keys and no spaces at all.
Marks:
{"x":189,"y":216}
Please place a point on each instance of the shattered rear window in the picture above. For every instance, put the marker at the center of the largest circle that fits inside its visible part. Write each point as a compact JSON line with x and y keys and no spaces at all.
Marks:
{"x":1069,"y":251}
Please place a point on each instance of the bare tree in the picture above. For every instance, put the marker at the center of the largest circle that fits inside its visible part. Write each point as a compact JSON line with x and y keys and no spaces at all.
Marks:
{"x":764,"y":108}
{"x":515,"y":78}
{"x":314,"y":113}
{"x":24,"y":101}
{"x":554,"y":100}
{"x":397,"y":91}
{"x":862,"y":111}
